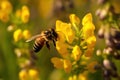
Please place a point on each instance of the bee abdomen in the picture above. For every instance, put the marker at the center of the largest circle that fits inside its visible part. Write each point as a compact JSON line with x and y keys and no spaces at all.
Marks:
{"x":38,"y":45}
{"x":36,"y":48}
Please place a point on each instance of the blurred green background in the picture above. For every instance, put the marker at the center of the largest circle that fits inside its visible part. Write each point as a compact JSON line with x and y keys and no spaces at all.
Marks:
{"x":43,"y":15}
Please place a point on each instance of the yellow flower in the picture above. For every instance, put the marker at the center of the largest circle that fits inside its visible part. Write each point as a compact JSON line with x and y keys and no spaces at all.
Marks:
{"x":6,"y":6}
{"x":74,"y":20}
{"x":33,"y":74}
{"x":23,"y":75}
{"x":17,"y":35}
{"x":25,"y":14}
{"x":91,"y":66}
{"x":76,"y":52}
{"x":83,"y":76}
{"x":18,"y":13}
{"x":4,"y":16}
{"x":65,"y":28}
{"x":67,"y":65}
{"x":58,"y":63}
{"x":26,"y":34}
{"x":62,"y":64}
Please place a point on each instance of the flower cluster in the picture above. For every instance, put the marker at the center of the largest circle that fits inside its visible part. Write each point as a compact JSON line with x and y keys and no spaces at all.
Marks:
{"x":109,"y":31}
{"x":19,"y":34}
{"x":31,"y":74}
{"x":17,"y":21}
{"x":75,"y":45}
{"x":23,"y":14}
{"x":5,"y":10}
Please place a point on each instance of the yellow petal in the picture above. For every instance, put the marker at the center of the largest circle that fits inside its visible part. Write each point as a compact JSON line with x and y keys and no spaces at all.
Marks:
{"x":58,"y":63}
{"x":88,"y":30}
{"x":26,"y":34}
{"x":33,"y":74}
{"x":87,"y":18}
{"x":23,"y":75}
{"x":62,"y":48}
{"x":17,"y":35}
{"x":74,"y":19}
{"x":76,"y":52}
{"x":25,"y":14}
{"x":67,"y":66}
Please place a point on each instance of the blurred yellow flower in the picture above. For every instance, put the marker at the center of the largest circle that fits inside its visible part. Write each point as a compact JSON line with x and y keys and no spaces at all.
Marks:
{"x":4,"y":16}
{"x":76,"y":52}
{"x":6,"y":6}
{"x":23,"y":75}
{"x":74,"y":77}
{"x":82,"y":76}
{"x":33,"y":74}
{"x":65,"y":28}
{"x":74,"y":20}
{"x":25,"y":14}
{"x":17,"y":35}
{"x":26,"y":34}
{"x":18,"y":13}
{"x":58,"y":62}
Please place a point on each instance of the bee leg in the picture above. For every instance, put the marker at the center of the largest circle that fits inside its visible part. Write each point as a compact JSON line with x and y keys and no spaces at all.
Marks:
{"x":47,"y":44}
{"x":54,"y":43}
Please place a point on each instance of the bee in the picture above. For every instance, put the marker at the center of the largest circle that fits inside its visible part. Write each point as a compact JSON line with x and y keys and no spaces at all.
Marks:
{"x":43,"y":39}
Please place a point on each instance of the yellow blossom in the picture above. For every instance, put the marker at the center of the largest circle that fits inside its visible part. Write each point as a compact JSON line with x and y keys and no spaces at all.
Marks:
{"x":67,"y":65}
{"x":26,"y":34}
{"x":4,"y":16}
{"x":76,"y":52}
{"x":6,"y":6}
{"x":18,"y":13}
{"x":82,"y":76}
{"x":33,"y":74}
{"x":74,"y":20}
{"x":23,"y":75}
{"x":91,"y":66}
{"x":58,"y":63}
{"x":17,"y":35}
{"x":25,"y":14}
{"x":65,"y":28}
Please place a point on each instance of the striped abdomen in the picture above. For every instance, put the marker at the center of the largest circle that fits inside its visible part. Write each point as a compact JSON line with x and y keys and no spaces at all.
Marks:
{"x":39,"y":43}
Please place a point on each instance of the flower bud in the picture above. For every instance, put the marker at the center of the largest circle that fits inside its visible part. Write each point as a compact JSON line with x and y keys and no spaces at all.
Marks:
{"x":106,"y":64}
{"x":101,"y":32}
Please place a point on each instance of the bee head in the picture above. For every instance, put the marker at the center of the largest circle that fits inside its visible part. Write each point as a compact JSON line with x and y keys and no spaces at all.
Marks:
{"x":54,"y":33}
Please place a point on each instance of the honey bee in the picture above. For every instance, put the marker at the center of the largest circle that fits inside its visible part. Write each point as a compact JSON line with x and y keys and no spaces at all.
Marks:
{"x":43,"y":39}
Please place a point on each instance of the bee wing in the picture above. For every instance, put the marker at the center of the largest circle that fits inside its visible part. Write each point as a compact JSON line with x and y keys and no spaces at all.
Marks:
{"x":34,"y":37}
